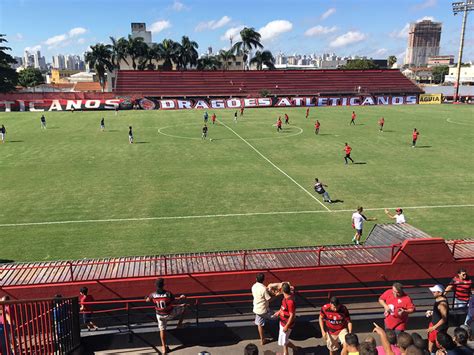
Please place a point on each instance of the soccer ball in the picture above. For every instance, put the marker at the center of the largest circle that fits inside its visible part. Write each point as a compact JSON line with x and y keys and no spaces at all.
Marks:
{"x":210,"y":139}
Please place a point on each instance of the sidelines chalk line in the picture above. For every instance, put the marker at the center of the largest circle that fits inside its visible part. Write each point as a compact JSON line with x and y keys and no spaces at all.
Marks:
{"x":164,"y":218}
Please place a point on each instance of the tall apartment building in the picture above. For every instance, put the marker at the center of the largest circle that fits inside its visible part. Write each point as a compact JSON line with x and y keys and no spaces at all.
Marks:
{"x":423,"y":42}
{"x":139,"y":30}
{"x":59,"y":62}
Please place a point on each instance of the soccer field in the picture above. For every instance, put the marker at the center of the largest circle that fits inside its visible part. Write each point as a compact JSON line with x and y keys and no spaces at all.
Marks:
{"x":72,"y":191}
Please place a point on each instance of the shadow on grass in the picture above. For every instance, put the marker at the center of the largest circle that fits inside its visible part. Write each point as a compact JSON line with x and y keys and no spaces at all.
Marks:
{"x":4,"y":261}
{"x":141,"y":142}
{"x":53,"y":128}
{"x":337,"y":201}
{"x":360,"y":163}
{"x":423,"y":146}
{"x":15,"y":141}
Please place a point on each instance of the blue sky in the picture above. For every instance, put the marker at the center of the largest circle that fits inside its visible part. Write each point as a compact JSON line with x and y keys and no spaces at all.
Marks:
{"x":360,"y":27}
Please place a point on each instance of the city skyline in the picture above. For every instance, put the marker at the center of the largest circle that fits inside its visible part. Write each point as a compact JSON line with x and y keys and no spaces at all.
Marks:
{"x":343,"y":27}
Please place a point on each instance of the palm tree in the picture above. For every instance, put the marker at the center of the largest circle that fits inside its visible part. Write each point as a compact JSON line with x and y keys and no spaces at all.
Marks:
{"x":146,"y":62}
{"x":263,"y":58}
{"x":167,"y":51}
{"x":208,"y":62}
{"x":119,"y":51}
{"x":99,"y":58}
{"x":136,"y":49}
{"x":225,"y":57}
{"x":250,"y":39}
{"x":186,"y":53}
{"x":391,"y":61}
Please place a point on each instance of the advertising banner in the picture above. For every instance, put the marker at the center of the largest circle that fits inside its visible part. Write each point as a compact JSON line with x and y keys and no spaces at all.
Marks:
{"x":157,"y":103}
{"x":431,"y":99}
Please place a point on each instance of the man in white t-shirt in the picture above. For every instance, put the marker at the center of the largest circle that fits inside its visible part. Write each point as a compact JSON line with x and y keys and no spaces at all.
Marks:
{"x":261,"y":297}
{"x":399,"y":216}
{"x":357,"y":223}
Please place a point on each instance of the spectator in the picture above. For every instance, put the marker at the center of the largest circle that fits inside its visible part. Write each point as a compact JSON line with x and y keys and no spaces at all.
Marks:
{"x":397,"y":306}
{"x":461,"y":337}
{"x":461,"y":284}
{"x":287,"y":314}
{"x":439,"y":316}
{"x":392,"y":340}
{"x":351,"y":344}
{"x":368,"y":348}
{"x":470,"y":311}
{"x":84,"y":298}
{"x":404,"y":340}
{"x":398,"y":216}
{"x":251,"y":349}
{"x":447,"y":345}
{"x":420,"y":343}
{"x":166,"y":310}
{"x":5,"y":321}
{"x":261,"y":298}
{"x":335,"y":323}
{"x":470,"y":340}
{"x":413,"y":350}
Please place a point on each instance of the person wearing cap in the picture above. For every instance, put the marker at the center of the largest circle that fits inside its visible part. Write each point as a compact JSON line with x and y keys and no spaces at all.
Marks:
{"x":439,"y":316}
{"x":399,"y":216}
{"x":335,"y":322}
{"x":397,"y":306}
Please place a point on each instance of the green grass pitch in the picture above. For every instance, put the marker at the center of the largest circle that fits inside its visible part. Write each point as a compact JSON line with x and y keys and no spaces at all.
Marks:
{"x":72,"y":191}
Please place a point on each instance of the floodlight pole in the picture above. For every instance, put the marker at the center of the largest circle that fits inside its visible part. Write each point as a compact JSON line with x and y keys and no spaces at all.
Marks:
{"x":465,"y":8}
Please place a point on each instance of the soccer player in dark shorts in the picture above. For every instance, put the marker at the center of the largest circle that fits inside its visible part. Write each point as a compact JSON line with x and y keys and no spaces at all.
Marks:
{"x":279,"y":124}
{"x":415,"y":137}
{"x":316,"y":127}
{"x":287,"y":119}
{"x":307,"y":112}
{"x":205,"y":117}
{"x":348,"y":151}
{"x":102,"y":124}
{"x":353,"y":117}
{"x":381,"y":123}
{"x":3,"y":132}
{"x":43,"y":122}
{"x":204,"y":131}
{"x":130,"y":135}
{"x":235,"y":117}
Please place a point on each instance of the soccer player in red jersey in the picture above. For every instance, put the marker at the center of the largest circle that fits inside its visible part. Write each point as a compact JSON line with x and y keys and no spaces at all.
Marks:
{"x":316,"y":127}
{"x":415,"y":137}
{"x":348,"y":151}
{"x":287,"y":119}
{"x":166,"y":310}
{"x":353,"y":117}
{"x":307,"y":112}
{"x":241,"y":111}
{"x":381,"y":123}
{"x":279,"y":124}
{"x":335,"y":323}
{"x":287,"y":315}
{"x":461,"y":284}
{"x":213,"y":118}
{"x":397,"y":306}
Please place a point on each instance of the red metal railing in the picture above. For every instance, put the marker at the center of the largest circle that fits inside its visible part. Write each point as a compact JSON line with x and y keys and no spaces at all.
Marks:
{"x":241,"y":261}
{"x":45,"y":326}
{"x":467,"y":252}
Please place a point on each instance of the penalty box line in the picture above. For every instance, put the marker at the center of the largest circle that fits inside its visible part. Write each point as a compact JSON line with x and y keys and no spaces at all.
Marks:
{"x":249,"y":214}
{"x":275,"y":166}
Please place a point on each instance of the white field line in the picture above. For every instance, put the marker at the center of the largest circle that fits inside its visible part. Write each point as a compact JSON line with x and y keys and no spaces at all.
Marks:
{"x":276,"y":167}
{"x":164,"y":218}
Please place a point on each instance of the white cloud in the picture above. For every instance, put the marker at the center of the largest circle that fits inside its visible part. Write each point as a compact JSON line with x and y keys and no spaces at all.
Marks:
{"x":232,"y":32}
{"x":328,"y":13}
{"x":18,"y":37}
{"x":81,"y":40}
{"x":213,"y":24}
{"x":77,"y":31}
{"x":275,"y":28}
{"x":428,"y":18}
{"x":159,"y":26}
{"x":424,"y":5}
{"x":319,"y":30}
{"x":56,"y":40}
{"x":347,"y":39}
{"x":178,"y":6}
{"x":33,"y":49}
{"x":381,"y":51}
{"x":401,"y":34}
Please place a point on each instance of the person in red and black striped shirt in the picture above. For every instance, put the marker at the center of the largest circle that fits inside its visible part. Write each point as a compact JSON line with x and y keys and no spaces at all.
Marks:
{"x":461,"y":284}
{"x":335,"y":323}
{"x":165,"y":309}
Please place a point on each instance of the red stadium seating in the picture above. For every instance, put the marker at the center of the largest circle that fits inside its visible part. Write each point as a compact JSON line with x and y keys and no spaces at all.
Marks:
{"x":250,"y":83}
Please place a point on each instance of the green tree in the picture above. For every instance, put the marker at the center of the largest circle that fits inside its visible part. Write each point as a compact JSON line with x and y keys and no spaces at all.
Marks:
{"x":209,"y":62}
{"x":136,"y":49}
{"x":8,"y":76}
{"x":439,"y":72}
{"x":186,"y":53}
{"x":30,"y":77}
{"x":250,"y":39}
{"x":167,"y":51}
{"x":391,"y":60}
{"x":263,"y":58}
{"x":225,"y":57}
{"x":118,"y":51}
{"x":360,"y":64}
{"x":99,"y":58}
{"x":146,"y":61}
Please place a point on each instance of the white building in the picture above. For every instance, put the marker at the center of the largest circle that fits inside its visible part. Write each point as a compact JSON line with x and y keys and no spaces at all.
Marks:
{"x":59,"y":62}
{"x":466,"y":77}
{"x":139,"y":30}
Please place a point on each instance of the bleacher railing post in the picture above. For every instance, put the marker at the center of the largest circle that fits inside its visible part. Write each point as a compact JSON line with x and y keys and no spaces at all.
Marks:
{"x":130,"y":334}
{"x":245,"y":260}
{"x":166,"y":266}
{"x":454,"y":248}
{"x":196,"y":304}
{"x":70,"y":270}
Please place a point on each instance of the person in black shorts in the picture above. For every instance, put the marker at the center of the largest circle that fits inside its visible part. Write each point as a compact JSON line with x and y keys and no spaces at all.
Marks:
{"x":102,"y":124}
{"x":204,"y":131}
{"x":130,"y":135}
{"x":319,"y":188}
{"x":43,"y":122}
{"x":3,"y":132}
